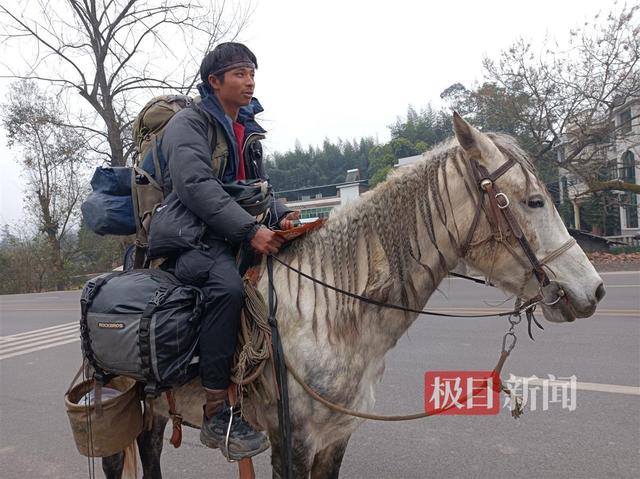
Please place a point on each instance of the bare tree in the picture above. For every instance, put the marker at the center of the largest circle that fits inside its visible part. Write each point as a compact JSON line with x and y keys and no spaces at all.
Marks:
{"x":54,"y":158}
{"x":109,"y":51}
{"x":567,"y":98}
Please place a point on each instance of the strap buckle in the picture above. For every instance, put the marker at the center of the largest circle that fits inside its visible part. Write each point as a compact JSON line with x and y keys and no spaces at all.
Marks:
{"x":88,"y":292}
{"x":509,"y":341}
{"x":506,"y":203}
{"x":485,"y":184}
{"x":159,"y":296}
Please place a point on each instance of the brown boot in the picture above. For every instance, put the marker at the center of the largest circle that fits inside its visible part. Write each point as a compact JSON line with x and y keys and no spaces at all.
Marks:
{"x":214,"y":401}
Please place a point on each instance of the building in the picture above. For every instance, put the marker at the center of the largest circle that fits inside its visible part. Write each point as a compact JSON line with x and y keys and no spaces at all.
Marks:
{"x":317,"y":201}
{"x":406,"y":161}
{"x":618,"y":158}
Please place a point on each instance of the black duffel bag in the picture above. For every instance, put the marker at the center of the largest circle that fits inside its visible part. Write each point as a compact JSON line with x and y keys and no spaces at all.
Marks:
{"x":174,"y":228}
{"x":143,"y":324}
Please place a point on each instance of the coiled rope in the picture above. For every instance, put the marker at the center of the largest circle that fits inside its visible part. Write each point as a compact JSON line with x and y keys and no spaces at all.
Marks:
{"x":254,"y":345}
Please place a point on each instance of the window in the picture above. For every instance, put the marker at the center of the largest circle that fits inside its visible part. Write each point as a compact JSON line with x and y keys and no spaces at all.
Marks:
{"x":612,"y":136}
{"x":565,"y":189}
{"x":625,"y":121}
{"x":315,"y":213}
{"x":607,"y":170}
{"x":628,"y":170}
{"x":631,"y":211}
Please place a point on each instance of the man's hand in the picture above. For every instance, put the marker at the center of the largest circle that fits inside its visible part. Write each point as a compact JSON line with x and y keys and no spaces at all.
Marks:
{"x":286,"y":223}
{"x":266,"y":241}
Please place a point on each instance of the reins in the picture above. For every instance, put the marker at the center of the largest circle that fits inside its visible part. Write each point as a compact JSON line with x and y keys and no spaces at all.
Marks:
{"x":531,"y":304}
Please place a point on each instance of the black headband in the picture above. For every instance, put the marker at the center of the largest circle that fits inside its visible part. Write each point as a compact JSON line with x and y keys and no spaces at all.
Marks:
{"x":231,"y":66}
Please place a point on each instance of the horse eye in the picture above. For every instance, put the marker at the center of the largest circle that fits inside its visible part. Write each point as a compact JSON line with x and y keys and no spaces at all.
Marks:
{"x":535,"y":203}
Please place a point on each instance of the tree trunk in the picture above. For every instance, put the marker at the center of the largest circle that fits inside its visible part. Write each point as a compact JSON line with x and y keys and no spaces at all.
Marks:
{"x":115,"y":143}
{"x":56,"y":263}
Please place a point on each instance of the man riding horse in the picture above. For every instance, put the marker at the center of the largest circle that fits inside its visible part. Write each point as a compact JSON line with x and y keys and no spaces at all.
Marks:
{"x":226,"y":90}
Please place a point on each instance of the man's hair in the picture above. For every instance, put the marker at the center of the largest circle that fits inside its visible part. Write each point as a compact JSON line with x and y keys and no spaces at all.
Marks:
{"x":224,"y":57}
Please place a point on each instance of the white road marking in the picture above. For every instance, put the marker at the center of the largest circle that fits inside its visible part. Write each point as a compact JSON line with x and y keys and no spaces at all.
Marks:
{"x":631,"y":313}
{"x":43,"y":335}
{"x":22,"y":310}
{"x":9,"y":347}
{"x":45,"y":338}
{"x":39,"y":339}
{"x":28,"y":333}
{"x":605,"y":388}
{"x":31,"y":350}
{"x":617,"y":273}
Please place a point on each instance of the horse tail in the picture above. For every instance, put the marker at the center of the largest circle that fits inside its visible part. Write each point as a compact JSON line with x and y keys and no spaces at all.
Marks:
{"x":130,"y":462}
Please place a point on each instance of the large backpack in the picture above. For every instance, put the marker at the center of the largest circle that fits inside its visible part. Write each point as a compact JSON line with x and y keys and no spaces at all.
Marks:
{"x":123,"y":199}
{"x":115,"y":208}
{"x":147,"y":179}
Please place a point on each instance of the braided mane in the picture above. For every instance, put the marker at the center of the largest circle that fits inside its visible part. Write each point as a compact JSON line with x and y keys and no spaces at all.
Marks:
{"x":387,"y":218}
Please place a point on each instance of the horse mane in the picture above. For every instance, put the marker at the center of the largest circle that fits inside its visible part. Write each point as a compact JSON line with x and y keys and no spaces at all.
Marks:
{"x":387,"y":215}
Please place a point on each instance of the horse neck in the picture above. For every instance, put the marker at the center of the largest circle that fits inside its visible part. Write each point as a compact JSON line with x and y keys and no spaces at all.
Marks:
{"x":432,"y":208}
{"x":394,"y":245}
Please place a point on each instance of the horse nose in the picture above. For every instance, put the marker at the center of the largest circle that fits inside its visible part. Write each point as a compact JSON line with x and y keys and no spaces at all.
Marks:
{"x":600,"y":292}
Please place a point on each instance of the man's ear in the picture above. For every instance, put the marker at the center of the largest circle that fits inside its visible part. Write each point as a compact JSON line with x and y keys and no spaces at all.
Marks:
{"x":214,"y":82}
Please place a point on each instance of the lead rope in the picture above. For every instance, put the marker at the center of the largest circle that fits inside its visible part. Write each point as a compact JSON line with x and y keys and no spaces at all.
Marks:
{"x":254,"y":318}
{"x":516,"y":402}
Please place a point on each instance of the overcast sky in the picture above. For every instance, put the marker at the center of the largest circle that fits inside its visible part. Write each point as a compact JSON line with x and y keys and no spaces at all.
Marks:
{"x":347,"y":69}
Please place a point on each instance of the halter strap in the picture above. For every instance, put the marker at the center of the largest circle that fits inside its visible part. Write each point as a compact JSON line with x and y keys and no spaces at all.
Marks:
{"x":499,"y":212}
{"x":479,"y":176}
{"x":566,"y":246}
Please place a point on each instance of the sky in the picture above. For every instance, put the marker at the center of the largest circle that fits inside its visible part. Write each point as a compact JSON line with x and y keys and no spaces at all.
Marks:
{"x":349,"y":68}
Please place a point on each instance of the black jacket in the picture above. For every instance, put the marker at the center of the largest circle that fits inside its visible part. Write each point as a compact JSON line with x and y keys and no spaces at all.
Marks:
{"x":185,"y":146}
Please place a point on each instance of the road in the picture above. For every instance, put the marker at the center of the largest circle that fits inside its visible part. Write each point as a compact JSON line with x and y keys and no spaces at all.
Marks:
{"x":39,"y":352}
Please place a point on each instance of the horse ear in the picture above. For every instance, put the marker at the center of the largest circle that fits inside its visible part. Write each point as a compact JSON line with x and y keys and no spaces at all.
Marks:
{"x":464,"y":132}
{"x":474,"y":142}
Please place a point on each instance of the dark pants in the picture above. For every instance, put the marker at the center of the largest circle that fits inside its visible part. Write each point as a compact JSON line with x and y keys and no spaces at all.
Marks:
{"x":216,"y":273}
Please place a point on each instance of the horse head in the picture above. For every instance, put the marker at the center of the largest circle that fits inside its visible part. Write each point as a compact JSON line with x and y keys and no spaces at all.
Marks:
{"x":513,"y":202}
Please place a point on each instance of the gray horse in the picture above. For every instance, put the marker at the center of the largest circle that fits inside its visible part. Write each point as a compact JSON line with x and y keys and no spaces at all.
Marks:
{"x":394,"y":245}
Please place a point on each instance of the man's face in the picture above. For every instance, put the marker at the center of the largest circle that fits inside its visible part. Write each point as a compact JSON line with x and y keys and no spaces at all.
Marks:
{"x":237,"y":88}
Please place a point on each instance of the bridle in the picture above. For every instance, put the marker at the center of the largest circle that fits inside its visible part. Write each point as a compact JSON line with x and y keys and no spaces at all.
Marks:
{"x":498,"y":212}
{"x":502,"y":220}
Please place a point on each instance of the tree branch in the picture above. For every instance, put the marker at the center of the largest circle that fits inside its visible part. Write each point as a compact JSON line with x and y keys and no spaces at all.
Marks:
{"x":35,"y":35}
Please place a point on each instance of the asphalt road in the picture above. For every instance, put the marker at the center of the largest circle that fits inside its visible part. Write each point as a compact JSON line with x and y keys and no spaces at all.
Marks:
{"x":600,"y":438}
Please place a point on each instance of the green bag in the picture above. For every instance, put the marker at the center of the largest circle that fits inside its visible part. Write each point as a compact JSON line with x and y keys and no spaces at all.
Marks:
{"x":147,"y":188}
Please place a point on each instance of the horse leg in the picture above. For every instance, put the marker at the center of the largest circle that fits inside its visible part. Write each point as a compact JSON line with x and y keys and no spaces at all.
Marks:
{"x":327,"y":462}
{"x":300,"y":458}
{"x":112,"y":465}
{"x":150,"y":447}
